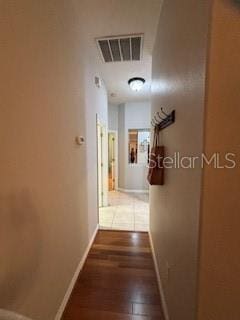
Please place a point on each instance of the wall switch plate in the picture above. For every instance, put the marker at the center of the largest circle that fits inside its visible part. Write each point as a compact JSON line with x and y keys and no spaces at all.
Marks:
{"x":98,"y":82}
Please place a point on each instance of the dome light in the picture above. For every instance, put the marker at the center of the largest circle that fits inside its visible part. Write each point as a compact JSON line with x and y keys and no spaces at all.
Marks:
{"x":136,"y":84}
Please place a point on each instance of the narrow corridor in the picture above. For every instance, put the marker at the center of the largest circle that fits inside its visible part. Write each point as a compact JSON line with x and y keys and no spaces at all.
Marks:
{"x":118,"y":280}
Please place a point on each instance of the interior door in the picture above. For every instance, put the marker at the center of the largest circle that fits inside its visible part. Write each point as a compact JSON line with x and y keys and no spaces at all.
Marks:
{"x":100,"y":164}
{"x":112,"y":161}
{"x":102,"y":150}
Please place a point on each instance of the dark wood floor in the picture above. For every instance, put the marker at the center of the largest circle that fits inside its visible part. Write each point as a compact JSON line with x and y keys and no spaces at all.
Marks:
{"x":117,"y":282}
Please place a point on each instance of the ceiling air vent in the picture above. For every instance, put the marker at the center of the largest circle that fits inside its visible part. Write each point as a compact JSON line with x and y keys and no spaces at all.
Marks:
{"x":124,"y":48}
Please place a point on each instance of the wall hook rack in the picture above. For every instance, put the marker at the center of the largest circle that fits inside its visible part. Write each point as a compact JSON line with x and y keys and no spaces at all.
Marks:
{"x":159,"y":116}
{"x":163,"y":122}
{"x":154,"y":122}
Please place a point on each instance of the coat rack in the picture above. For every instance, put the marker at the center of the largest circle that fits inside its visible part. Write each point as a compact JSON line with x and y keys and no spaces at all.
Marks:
{"x":161,"y":123}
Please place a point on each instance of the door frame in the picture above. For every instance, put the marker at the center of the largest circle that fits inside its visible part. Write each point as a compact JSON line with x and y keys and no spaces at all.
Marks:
{"x":104,"y":173}
{"x":116,"y":157}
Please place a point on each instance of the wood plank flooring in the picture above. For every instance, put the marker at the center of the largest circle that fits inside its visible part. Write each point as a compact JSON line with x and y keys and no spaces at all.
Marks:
{"x":117,"y":282}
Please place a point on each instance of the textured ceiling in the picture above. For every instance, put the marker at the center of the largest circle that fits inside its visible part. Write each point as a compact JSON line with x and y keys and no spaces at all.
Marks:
{"x":123,"y":17}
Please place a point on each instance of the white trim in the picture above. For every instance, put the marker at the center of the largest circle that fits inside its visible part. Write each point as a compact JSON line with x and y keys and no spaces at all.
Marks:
{"x":116,"y":157}
{"x":164,"y":304}
{"x":104,"y":160}
{"x":10,"y":315}
{"x":75,"y":277}
{"x":132,"y":190}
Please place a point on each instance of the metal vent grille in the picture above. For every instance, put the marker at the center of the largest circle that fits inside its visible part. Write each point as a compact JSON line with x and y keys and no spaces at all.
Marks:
{"x":125,"y":48}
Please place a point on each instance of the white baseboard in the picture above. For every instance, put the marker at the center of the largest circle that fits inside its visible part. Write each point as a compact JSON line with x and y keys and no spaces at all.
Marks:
{"x":132,"y":190}
{"x":75,"y":277}
{"x":164,"y":304}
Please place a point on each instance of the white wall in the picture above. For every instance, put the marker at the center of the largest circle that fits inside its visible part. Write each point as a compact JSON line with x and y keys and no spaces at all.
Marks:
{"x":132,"y":115}
{"x":219,"y":271}
{"x":96,"y":104}
{"x":179,"y":63}
{"x":113,"y":117}
{"x":48,"y":206}
{"x":121,"y":146}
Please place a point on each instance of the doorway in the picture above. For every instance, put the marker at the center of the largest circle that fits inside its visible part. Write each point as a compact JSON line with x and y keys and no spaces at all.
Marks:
{"x":126,"y":209}
{"x":112,"y":161}
{"x":128,"y":139}
{"x":102,"y":167}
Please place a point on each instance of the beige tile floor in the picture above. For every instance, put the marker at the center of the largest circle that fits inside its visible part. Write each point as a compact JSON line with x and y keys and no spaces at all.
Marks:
{"x":126,"y":211}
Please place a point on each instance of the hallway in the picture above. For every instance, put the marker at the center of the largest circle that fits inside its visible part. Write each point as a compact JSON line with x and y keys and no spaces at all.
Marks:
{"x":126,"y":211}
{"x":118,"y":280}
{"x":140,"y":97}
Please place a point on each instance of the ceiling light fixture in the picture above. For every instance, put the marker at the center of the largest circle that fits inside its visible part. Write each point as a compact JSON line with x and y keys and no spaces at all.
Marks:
{"x":136,"y":84}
